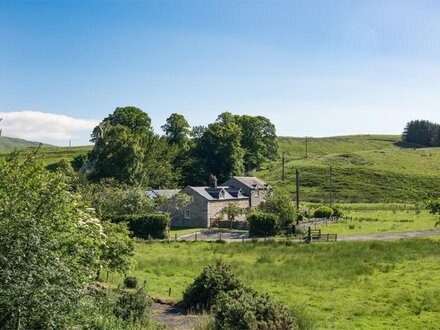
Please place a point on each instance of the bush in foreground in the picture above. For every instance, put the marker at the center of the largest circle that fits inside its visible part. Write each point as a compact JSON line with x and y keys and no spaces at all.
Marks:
{"x":247,"y":309}
{"x":263,"y":224}
{"x":234,"y":306}
{"x":134,"y":307}
{"x":213,"y":280}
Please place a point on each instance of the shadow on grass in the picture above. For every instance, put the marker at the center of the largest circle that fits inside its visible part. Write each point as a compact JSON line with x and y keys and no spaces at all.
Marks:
{"x":409,"y":145}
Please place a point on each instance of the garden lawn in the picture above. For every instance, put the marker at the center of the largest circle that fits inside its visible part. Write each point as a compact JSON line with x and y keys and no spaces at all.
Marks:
{"x":343,"y":285}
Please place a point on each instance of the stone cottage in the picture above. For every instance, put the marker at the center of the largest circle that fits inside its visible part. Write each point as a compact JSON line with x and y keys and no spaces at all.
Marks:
{"x":209,"y":201}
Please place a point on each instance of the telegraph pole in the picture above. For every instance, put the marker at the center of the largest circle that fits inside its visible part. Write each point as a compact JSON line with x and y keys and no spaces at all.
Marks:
{"x":307,"y":151}
{"x":331,"y":187}
{"x":282,"y":166}
{"x":297,"y":188}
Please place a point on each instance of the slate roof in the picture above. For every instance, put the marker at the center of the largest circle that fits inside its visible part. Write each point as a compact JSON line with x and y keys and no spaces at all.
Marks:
{"x":168,"y":193}
{"x":219,"y":193}
{"x":250,"y":181}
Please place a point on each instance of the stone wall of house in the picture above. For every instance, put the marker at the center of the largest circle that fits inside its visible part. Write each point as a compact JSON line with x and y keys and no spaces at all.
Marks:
{"x":215,"y":209}
{"x":258,"y":197}
{"x":198,"y":213}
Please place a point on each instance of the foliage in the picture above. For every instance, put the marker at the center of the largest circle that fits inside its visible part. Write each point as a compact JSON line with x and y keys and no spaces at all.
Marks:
{"x":109,"y":198}
{"x":337,"y":211}
{"x":323,"y":212}
{"x":234,"y":306}
{"x":433,"y":205}
{"x":282,"y":206}
{"x":262,"y":224}
{"x":232,"y":210}
{"x":79,"y":161}
{"x":213,"y":280}
{"x":49,"y":246}
{"x":128,"y":151}
{"x":131,"y":282}
{"x":421,"y":132}
{"x":258,"y":138}
{"x":177,"y":130}
{"x":117,"y":250}
{"x":131,"y":117}
{"x":96,"y":312}
{"x":219,"y":152}
{"x":247,"y":309}
{"x":135,"y":307}
{"x":154,"y":225}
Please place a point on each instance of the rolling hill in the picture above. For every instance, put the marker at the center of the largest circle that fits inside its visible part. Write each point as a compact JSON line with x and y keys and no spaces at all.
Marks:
{"x":12,"y":143}
{"x":364,"y":168}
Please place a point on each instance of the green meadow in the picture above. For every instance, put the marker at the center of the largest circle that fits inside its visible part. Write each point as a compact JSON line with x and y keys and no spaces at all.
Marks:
{"x":376,"y":218}
{"x":343,"y":285}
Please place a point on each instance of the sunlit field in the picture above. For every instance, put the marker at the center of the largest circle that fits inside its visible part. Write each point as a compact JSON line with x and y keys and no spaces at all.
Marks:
{"x":343,"y":285}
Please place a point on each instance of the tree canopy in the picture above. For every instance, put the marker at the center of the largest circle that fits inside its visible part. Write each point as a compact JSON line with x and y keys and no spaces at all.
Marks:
{"x":422,"y":132}
{"x":128,"y":151}
{"x":220,"y":152}
{"x":177,"y":130}
{"x":258,"y":138}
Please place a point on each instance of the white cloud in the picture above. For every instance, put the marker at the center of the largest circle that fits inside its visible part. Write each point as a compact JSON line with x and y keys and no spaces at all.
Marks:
{"x":46,"y":127}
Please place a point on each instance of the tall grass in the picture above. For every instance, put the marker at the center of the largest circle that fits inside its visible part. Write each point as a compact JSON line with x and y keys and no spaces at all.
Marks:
{"x":342,"y":285}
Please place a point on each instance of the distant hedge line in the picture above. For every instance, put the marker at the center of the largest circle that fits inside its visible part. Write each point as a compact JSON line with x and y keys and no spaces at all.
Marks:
{"x":154,"y":225}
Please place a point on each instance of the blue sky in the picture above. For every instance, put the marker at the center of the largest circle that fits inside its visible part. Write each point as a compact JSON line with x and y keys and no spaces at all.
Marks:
{"x":315,"y":68}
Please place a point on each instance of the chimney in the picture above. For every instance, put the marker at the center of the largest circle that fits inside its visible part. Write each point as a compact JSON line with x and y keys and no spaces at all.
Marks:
{"x":213,"y":181}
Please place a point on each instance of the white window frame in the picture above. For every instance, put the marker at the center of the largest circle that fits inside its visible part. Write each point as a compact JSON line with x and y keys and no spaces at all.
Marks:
{"x":187,"y":214}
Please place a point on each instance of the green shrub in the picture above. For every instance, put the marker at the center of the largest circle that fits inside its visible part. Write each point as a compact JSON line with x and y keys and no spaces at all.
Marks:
{"x":282,"y":206}
{"x":263,"y":224}
{"x":323,"y":212}
{"x":135,"y":307}
{"x":247,"y":309}
{"x":130,"y":282}
{"x":154,"y":225}
{"x":337,"y":211}
{"x":213,"y":280}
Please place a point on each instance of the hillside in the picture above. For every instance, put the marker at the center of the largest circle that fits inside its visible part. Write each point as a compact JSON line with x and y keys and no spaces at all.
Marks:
{"x":369,"y":168}
{"x":12,"y":143}
{"x":51,"y":155}
{"x":365,"y":168}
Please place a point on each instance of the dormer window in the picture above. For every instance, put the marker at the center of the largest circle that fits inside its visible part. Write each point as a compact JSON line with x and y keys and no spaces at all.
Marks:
{"x":221,"y":194}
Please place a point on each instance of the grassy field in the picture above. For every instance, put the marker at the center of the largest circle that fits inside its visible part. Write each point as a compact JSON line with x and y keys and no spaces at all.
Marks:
{"x":369,"y":218}
{"x":344,"y":285}
{"x":365,"y":168}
